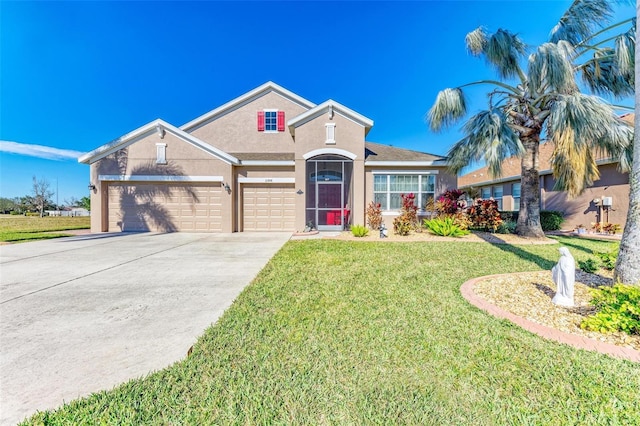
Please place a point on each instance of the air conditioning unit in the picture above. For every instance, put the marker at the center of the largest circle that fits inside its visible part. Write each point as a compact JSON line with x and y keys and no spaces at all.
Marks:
{"x":607,"y":201}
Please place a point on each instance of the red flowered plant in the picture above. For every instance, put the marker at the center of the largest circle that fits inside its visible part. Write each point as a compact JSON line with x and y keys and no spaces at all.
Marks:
{"x":374,"y":216}
{"x":408,"y":219}
{"x":484,"y":215}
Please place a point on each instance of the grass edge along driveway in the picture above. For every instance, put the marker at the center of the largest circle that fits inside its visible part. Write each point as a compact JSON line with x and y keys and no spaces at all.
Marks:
{"x":340,"y":332}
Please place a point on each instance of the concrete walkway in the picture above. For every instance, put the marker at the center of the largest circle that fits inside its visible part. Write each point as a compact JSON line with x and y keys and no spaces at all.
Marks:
{"x":86,"y":313}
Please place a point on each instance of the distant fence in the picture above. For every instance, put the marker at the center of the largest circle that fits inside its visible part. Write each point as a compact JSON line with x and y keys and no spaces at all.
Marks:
{"x":68,"y":213}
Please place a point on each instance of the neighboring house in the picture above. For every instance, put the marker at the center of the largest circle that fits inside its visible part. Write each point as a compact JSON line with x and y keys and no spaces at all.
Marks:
{"x":268,"y":160}
{"x":606,"y":201}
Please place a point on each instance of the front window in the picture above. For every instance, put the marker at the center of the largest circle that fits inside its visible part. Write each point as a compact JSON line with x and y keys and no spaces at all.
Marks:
{"x":387,"y":190}
{"x":271,"y":121}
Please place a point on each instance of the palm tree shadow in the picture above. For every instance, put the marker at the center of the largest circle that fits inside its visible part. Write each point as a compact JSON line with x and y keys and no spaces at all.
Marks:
{"x":501,"y":244}
{"x":142,"y":206}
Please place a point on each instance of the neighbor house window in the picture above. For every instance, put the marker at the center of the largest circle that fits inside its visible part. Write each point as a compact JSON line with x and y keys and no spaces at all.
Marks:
{"x":387,"y":189}
{"x":486,"y":193}
{"x":515,"y":191}
{"x":497,"y":195}
{"x":161,"y":153}
{"x":271,"y":120}
{"x":331,"y":133}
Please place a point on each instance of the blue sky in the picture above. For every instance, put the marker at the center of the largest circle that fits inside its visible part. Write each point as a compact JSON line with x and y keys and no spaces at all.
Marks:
{"x":76,"y":75}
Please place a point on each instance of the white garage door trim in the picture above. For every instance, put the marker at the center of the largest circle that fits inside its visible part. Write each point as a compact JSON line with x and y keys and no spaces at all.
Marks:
{"x":164,"y":206}
{"x":270,"y":208}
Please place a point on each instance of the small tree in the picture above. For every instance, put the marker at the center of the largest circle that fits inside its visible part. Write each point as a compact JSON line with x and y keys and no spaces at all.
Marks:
{"x":85,"y":202}
{"x":41,"y":194}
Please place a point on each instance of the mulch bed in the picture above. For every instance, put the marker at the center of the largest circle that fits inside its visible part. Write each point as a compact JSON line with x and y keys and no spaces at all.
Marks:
{"x":529,"y":296}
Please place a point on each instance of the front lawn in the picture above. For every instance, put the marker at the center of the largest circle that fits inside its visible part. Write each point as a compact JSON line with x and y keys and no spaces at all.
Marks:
{"x":23,"y":228}
{"x":343,"y":332}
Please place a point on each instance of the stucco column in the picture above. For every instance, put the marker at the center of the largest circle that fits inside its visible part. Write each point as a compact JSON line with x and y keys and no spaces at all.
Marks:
{"x":358,"y":208}
{"x":300,"y":185}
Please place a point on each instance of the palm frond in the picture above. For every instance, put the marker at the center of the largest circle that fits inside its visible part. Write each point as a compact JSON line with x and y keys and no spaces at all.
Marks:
{"x":579,"y":21}
{"x":503,"y":50}
{"x":449,"y":107}
{"x":488,"y":138}
{"x":574,"y":166}
{"x":625,"y":50}
{"x":476,"y":41}
{"x":579,"y":124}
{"x":603,"y":76}
{"x":550,"y":67}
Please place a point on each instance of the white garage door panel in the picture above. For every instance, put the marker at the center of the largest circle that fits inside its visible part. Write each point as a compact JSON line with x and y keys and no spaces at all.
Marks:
{"x":164,"y":207}
{"x":268,"y":207}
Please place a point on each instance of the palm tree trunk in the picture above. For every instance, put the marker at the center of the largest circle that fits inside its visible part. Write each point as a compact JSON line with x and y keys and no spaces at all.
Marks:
{"x":627,"y":268}
{"x":529,"y":215}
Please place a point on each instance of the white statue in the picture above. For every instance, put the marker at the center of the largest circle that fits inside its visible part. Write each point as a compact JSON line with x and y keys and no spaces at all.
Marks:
{"x":564,"y":275}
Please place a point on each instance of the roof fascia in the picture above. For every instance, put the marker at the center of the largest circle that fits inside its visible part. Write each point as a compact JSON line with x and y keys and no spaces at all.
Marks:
{"x":337,"y":108}
{"x":157,"y":125}
{"x":434,"y":163}
{"x":243,"y":100}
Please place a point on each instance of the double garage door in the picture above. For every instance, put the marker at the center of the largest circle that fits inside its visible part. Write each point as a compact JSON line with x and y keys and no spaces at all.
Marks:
{"x":192,"y":207}
{"x":164,"y":207}
{"x":268,"y":207}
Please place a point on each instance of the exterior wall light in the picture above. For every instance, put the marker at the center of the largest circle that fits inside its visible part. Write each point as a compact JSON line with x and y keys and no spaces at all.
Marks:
{"x":226,"y":187}
{"x":91,"y":187}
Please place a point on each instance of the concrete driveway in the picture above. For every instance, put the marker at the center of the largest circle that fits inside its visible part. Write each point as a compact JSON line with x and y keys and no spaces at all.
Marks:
{"x":86,"y":313}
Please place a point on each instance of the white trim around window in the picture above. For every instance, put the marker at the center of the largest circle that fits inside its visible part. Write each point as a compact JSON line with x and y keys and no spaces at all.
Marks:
{"x":161,"y":153}
{"x":331,"y":133}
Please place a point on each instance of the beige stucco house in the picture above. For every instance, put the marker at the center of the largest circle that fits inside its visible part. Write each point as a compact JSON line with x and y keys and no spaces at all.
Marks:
{"x":606,"y":201}
{"x":268,"y":160}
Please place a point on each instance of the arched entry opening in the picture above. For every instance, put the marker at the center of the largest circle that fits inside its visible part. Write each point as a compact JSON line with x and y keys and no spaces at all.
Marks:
{"x":329,"y":183}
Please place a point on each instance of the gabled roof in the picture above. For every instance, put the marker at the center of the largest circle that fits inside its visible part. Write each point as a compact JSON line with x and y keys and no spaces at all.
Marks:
{"x":240,"y":101}
{"x":376,"y":153}
{"x":156,"y":126}
{"x":330,"y":107}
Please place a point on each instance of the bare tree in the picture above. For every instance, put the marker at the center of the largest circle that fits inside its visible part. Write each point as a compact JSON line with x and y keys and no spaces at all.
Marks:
{"x":41,"y":194}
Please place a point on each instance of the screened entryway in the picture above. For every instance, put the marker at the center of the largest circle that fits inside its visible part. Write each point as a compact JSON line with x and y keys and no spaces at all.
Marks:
{"x":329,"y":181}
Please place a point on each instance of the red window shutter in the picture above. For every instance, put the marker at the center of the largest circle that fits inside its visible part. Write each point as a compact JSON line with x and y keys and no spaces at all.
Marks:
{"x":261,"y":121}
{"x":281,"y":121}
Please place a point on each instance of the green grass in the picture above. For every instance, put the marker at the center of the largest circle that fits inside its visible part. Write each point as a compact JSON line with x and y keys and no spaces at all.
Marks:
{"x":25,"y":228}
{"x":344,"y":332}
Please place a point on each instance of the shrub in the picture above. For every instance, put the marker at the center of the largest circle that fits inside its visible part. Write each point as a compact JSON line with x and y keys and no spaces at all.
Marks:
{"x":608,"y":259}
{"x":618,"y":310}
{"x":408,"y":219}
{"x":611,"y":228}
{"x":551,"y":220}
{"x":484,"y":215}
{"x":507,"y":227}
{"x":374,"y":216}
{"x":589,"y":265}
{"x":449,"y":202}
{"x":444,"y":226}
{"x":359,"y":231}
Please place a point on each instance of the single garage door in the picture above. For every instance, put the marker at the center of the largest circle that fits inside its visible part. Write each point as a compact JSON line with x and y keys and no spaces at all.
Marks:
{"x":268,"y":207}
{"x":162,"y":207}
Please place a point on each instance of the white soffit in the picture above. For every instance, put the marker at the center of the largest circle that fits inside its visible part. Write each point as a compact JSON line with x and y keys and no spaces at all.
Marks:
{"x":244,"y":100}
{"x":147,"y":130}
{"x":336,"y":108}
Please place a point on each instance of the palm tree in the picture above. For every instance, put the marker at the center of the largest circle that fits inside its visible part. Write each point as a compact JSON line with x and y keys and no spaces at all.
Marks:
{"x":540,"y":96}
{"x":627,"y":268}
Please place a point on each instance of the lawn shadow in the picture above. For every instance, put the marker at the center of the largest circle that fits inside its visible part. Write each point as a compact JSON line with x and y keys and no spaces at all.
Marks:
{"x":503,"y":245}
{"x":577,"y":247}
{"x":545,"y":289}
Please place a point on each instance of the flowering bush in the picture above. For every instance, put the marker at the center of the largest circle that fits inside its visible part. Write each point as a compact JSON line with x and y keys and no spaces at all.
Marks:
{"x":408,"y":219}
{"x":484,"y":215}
{"x":374,"y":216}
{"x":449,"y":202}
